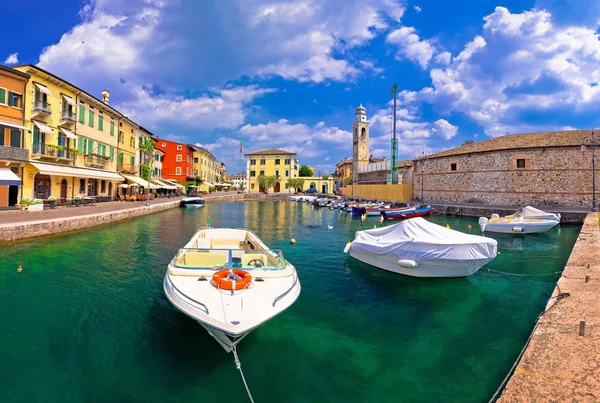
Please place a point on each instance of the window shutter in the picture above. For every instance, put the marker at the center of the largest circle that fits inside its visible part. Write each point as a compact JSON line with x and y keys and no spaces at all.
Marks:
{"x":112,"y":153}
{"x":2,"y":96}
{"x":81,"y":114}
{"x":90,"y":146}
{"x":112,"y":128}
{"x":100,"y":122}
{"x":132,"y":160}
{"x":104,"y":150}
{"x":10,"y":98}
{"x":121,"y":158}
{"x":91,"y":118}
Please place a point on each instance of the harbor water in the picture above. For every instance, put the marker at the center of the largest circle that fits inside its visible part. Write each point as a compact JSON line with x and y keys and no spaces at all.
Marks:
{"x":87,"y":319}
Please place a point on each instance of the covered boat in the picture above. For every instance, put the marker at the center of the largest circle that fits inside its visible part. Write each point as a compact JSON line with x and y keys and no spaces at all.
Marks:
{"x":192,"y":201}
{"x":230,"y":282}
{"x":420,"y":248}
{"x":533,"y":213}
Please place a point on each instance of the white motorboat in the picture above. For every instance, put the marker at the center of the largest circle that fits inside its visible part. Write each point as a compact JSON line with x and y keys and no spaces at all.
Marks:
{"x":524,"y":221}
{"x":230,"y":282}
{"x":419,"y":248}
{"x":192,"y":201}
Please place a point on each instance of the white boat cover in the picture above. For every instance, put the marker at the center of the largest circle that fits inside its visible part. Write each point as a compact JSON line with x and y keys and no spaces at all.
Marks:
{"x":532,"y":212}
{"x":419,"y":239}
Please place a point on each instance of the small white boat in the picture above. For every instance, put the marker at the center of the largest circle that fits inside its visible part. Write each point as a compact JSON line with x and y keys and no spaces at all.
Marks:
{"x":192,"y":201}
{"x":230,"y":282}
{"x":524,"y":221}
{"x":419,"y":248}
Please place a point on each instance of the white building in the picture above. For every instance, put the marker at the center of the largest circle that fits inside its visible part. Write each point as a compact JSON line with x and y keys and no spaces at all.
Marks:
{"x":240,"y":181}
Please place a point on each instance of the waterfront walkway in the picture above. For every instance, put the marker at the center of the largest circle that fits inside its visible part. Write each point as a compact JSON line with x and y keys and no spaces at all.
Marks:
{"x":562,"y":360}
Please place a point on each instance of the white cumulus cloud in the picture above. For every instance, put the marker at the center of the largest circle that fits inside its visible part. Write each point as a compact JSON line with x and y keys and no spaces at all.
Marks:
{"x":12,"y":59}
{"x":410,"y":46}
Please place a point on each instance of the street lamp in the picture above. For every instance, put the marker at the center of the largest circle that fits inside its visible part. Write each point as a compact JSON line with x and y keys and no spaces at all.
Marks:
{"x":592,"y":142}
{"x":423,"y":159}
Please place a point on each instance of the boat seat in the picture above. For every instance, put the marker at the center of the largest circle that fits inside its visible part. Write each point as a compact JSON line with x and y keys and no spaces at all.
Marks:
{"x":202,"y":259}
{"x":252,"y":256}
{"x":226,"y":243}
{"x":203,"y":243}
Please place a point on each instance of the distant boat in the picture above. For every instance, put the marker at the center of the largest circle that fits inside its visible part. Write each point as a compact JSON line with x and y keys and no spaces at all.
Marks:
{"x":420,"y":248}
{"x":408,"y":213}
{"x":230,"y":282}
{"x":192,"y":202}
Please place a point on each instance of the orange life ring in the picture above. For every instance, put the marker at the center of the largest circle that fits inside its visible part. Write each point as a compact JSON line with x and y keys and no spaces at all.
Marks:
{"x":221,"y":281}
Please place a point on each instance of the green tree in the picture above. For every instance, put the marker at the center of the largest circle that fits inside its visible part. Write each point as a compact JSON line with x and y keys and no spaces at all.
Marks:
{"x":144,"y":171}
{"x":147,"y":146}
{"x":262,"y":182}
{"x":348,"y":181}
{"x":299,"y":184}
{"x":291,"y":182}
{"x":305,"y":171}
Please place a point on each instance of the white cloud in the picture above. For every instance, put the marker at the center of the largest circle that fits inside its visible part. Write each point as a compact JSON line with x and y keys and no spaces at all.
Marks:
{"x":411,"y":46}
{"x":445,"y":129}
{"x":417,"y":8}
{"x":317,"y":69}
{"x":443,"y":58}
{"x":12,"y":59}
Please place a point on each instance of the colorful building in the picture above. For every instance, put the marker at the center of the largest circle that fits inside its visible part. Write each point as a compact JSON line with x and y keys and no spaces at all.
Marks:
{"x":127,"y":147}
{"x":322,"y":184}
{"x":69,"y":139}
{"x":178,"y":160}
{"x":271,"y":162}
{"x":13,"y":152}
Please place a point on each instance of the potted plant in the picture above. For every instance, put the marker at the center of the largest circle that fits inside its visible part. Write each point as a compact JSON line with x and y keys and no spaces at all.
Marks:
{"x":24,"y":205}
{"x":36,"y":205}
{"x":78,"y":198}
{"x":52,"y":201}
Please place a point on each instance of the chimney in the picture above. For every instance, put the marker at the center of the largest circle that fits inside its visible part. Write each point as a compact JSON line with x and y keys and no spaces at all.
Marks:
{"x":105,"y":96}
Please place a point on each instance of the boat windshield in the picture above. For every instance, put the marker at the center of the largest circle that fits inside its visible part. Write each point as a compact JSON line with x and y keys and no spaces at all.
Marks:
{"x":245,"y":259}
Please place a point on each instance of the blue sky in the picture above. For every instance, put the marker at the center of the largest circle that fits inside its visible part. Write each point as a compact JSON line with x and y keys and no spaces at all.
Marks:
{"x":289,"y":74}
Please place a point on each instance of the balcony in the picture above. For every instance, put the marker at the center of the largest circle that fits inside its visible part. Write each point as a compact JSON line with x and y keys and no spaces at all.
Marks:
{"x":127,"y":168}
{"x":97,"y":161}
{"x":14,"y":154}
{"x":41,"y":109}
{"x":67,"y":118}
{"x":52,"y":152}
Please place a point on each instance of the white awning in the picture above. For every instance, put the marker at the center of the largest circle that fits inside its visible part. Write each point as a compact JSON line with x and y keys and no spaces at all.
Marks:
{"x":43,"y":89}
{"x":177,"y":185}
{"x":164,"y":184}
{"x":44,"y":128}
{"x":64,"y":170}
{"x":140,"y":181}
{"x":8,"y":177}
{"x":124,"y":185}
{"x":69,"y":100}
{"x":16,"y":126}
{"x":68,"y":133}
{"x":208,"y":184}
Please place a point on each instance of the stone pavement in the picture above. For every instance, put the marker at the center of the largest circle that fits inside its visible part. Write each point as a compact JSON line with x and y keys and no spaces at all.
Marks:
{"x":562,"y":361}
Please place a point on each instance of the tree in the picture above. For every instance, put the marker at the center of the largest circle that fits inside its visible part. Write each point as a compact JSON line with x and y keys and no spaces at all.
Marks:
{"x":299,"y":184}
{"x":291,"y":182}
{"x":262,"y":182}
{"x":147,"y":147}
{"x":325,"y":177}
{"x":348,"y":181}
{"x":271,"y":181}
{"x":305,"y":171}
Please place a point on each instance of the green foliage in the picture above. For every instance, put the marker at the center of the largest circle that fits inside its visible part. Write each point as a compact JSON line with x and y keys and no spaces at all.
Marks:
{"x":348,"y":181}
{"x":300,"y":184}
{"x":37,"y":201}
{"x":78,"y":196}
{"x":51,"y":198}
{"x":271,"y":181}
{"x":305,"y":171}
{"x":26,"y":202}
{"x":325,"y":177}
{"x":144,"y":171}
{"x":262,"y":181}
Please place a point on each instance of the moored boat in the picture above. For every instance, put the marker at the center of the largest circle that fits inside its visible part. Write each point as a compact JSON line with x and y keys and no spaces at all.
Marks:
{"x":230,"y":282}
{"x":515,"y":224}
{"x":420,"y":248}
{"x":192,"y":202}
{"x":403,"y":214}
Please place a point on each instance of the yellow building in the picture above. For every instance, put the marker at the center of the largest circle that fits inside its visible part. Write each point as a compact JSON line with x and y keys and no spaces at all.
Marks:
{"x":323,"y":185}
{"x":68,"y":138}
{"x":205,"y":168}
{"x":127,"y":147}
{"x":271,"y":162}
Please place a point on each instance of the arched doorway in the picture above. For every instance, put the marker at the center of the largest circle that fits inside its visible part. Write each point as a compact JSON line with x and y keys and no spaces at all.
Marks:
{"x":277,"y":187}
{"x":63,"y":189}
{"x":41,"y":186}
{"x":313,"y":185}
{"x":324,"y":187}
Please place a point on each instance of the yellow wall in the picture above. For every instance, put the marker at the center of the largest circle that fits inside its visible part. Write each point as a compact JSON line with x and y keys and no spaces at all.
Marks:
{"x":102,"y":139}
{"x":401,"y":193}
{"x":319,"y":182}
{"x":270,"y":169}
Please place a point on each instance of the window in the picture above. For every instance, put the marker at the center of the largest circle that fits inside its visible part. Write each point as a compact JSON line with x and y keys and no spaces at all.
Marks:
{"x":81,"y":185}
{"x":263,"y":161}
{"x":277,"y":161}
{"x":195,"y":160}
{"x":132,"y":142}
{"x":277,"y":173}
{"x":112,"y":153}
{"x":2,"y":96}
{"x":252,"y":186}
{"x":164,"y":144}
{"x":14,"y":99}
{"x":453,"y":166}
{"x":91,"y":118}
{"x":287,"y":161}
{"x":179,"y":147}
{"x":112,"y":128}
{"x":287,"y":186}
{"x":120,"y":136}
{"x":178,"y":171}
{"x":252,"y":162}
{"x":178,"y":158}
{"x":132,"y":160}
{"x":103,"y":187}
{"x":252,"y":173}
{"x":262,"y":172}
{"x":100,"y":122}
{"x":287,"y":173}
{"x":520,"y":162}
{"x":156,"y":157}
{"x":120,"y":124}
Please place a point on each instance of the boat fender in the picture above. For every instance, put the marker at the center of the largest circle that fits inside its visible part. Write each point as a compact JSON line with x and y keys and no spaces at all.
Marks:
{"x":518,"y":229}
{"x":407,"y":263}
{"x":483,"y":223}
{"x":347,"y":248}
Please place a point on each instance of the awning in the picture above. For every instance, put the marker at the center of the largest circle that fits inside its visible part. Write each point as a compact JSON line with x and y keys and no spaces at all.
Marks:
{"x":177,"y":185}
{"x":69,"y":100}
{"x":208,"y":184}
{"x":8,"y":177}
{"x":68,"y":133}
{"x":63,"y":170}
{"x":16,"y":126}
{"x":43,"y":89}
{"x":165,"y":184}
{"x":124,"y":185}
{"x":44,"y":128}
{"x":140,"y":181}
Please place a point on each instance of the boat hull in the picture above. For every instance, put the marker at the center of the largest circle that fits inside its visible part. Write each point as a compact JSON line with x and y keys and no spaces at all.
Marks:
{"x":459,"y":268}
{"x":403,"y":215}
{"x":518,"y":227}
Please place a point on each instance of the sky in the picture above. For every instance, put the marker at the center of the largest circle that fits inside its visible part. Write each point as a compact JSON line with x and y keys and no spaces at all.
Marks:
{"x":290,"y":74}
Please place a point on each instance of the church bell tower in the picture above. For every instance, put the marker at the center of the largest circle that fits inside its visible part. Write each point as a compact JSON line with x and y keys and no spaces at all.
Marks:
{"x":360,"y":141}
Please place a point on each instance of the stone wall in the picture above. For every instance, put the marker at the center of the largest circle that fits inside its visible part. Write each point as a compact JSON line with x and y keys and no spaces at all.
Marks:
{"x":558,"y":176}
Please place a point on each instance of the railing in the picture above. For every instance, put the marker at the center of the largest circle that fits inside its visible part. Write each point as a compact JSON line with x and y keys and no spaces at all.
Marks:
{"x":182,"y":295}
{"x":126,"y":167}
{"x":41,"y":107}
{"x":288,"y":291}
{"x":68,"y":116}
{"x":14,"y":154}
{"x":95,"y":160}
{"x":375,"y":167}
{"x":47,"y":150}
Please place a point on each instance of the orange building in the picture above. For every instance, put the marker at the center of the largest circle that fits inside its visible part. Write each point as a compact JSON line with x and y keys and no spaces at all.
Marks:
{"x":13,"y":154}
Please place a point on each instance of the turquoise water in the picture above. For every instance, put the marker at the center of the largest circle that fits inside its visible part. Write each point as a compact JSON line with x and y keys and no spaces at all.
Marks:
{"x":87,"y":319}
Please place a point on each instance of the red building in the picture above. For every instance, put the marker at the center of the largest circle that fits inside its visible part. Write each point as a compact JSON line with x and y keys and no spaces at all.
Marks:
{"x":178,"y":160}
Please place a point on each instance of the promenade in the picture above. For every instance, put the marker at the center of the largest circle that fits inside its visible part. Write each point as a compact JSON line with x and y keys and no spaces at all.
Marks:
{"x":561,"y":363}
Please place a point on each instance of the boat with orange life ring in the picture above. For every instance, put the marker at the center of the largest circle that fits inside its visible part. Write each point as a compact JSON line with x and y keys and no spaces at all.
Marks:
{"x":223,"y":279}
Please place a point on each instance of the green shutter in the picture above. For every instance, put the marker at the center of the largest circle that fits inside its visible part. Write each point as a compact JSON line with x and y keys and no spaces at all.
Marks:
{"x":104,"y":150}
{"x":81,"y":114}
{"x":112,"y":128}
{"x":90,"y":146}
{"x":112,"y":153}
{"x":2,"y":96}
{"x":132,"y":160}
{"x":100,"y":122}
{"x":10,"y":98}
{"x":121,"y":158}
{"x":80,"y":145}
{"x":91,"y":118}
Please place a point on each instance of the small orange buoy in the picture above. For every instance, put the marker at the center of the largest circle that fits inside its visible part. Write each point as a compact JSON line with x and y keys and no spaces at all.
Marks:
{"x":469,"y":227}
{"x":20,"y":269}
{"x":293,"y":241}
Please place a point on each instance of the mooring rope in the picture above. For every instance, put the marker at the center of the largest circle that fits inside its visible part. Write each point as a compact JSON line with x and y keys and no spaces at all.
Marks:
{"x":238,"y":365}
{"x":556,"y":273}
